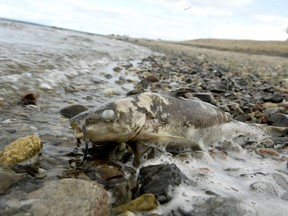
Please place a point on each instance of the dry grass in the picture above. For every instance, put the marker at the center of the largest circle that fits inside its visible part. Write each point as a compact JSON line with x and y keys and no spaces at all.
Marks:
{"x":276,"y":48}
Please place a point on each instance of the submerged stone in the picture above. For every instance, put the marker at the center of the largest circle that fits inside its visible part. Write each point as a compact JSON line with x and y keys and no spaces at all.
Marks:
{"x":218,"y":206}
{"x":8,"y":178}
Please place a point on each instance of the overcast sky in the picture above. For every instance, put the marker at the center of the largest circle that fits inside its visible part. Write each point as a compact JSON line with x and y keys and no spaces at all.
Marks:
{"x":159,"y":19}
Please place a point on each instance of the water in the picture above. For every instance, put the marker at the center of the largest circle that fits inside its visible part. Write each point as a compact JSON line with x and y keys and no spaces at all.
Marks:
{"x":63,"y":67}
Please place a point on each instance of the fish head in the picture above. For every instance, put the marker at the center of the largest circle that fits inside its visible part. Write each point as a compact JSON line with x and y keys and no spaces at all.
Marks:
{"x":117,"y":121}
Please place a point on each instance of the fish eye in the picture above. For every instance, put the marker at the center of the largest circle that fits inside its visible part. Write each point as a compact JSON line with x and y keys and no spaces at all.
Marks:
{"x":108,"y":114}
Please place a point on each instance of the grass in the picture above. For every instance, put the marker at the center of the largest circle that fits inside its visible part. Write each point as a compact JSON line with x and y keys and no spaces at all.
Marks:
{"x":274,"y":48}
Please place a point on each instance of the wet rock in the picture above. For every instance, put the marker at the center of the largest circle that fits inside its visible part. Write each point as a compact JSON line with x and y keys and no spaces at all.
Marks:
{"x":120,"y":81}
{"x":69,"y":197}
{"x":278,"y":119}
{"x":269,"y":105}
{"x":267,"y":151}
{"x":219,"y":206}
{"x":243,"y":118}
{"x":72,"y":110}
{"x":108,"y":76}
{"x":152,"y":78}
{"x":207,"y":97}
{"x":186,"y":93}
{"x":11,"y":210}
{"x":275,"y":98}
{"x":75,"y":88}
{"x":123,"y":192}
{"x":111,"y":92}
{"x":125,"y":64}
{"x":146,"y":202}
{"x":8,"y":178}
{"x":160,"y":180}
{"x":29,"y":99}
{"x":282,"y":182}
{"x":117,"y":69}
{"x":218,"y":86}
{"x":23,"y":150}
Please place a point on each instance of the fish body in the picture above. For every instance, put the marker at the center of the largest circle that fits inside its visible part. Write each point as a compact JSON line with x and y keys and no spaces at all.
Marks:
{"x":173,"y":123}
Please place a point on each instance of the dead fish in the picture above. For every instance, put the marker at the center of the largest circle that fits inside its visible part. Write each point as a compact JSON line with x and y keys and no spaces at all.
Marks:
{"x":173,"y":123}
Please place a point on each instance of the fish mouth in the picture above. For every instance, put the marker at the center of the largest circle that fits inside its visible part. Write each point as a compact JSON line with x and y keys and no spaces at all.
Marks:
{"x":78,"y":132}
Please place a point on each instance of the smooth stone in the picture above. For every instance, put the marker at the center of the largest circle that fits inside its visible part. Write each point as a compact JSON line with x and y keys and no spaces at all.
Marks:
{"x":206,"y":97}
{"x":159,"y":180}
{"x":278,"y":119}
{"x":275,"y":98}
{"x":69,"y":197}
{"x":243,"y":118}
{"x":8,"y":178}
{"x":29,"y":99}
{"x":218,"y":86}
{"x":72,"y":110}
{"x":269,"y":105}
{"x":108,"y":76}
{"x":146,"y":202}
{"x":21,"y":151}
{"x":152,"y":78}
{"x":125,"y":64}
{"x":117,"y":69}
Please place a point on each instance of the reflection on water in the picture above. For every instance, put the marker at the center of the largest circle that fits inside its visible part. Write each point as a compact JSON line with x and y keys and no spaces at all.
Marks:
{"x":63,"y":68}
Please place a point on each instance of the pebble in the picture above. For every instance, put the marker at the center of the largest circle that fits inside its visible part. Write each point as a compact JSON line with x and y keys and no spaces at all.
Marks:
{"x":145,"y":202}
{"x":152,"y":78}
{"x":218,"y":87}
{"x":267,"y":151}
{"x":29,"y":99}
{"x":275,"y":98}
{"x":21,"y":150}
{"x":278,"y":119}
{"x":270,"y":105}
{"x":117,"y":69}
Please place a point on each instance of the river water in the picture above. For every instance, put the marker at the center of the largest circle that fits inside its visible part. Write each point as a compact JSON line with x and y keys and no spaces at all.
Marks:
{"x":63,"y":68}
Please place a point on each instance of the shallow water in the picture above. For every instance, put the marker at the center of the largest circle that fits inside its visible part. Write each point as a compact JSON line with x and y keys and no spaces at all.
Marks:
{"x":63,"y":67}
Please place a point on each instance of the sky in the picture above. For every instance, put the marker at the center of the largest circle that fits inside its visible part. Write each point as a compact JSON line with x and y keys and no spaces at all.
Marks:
{"x":159,"y":19}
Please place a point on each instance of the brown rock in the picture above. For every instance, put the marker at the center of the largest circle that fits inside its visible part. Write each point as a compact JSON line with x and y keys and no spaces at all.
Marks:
{"x":117,"y":69}
{"x":152,"y":78}
{"x":146,"y":202}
